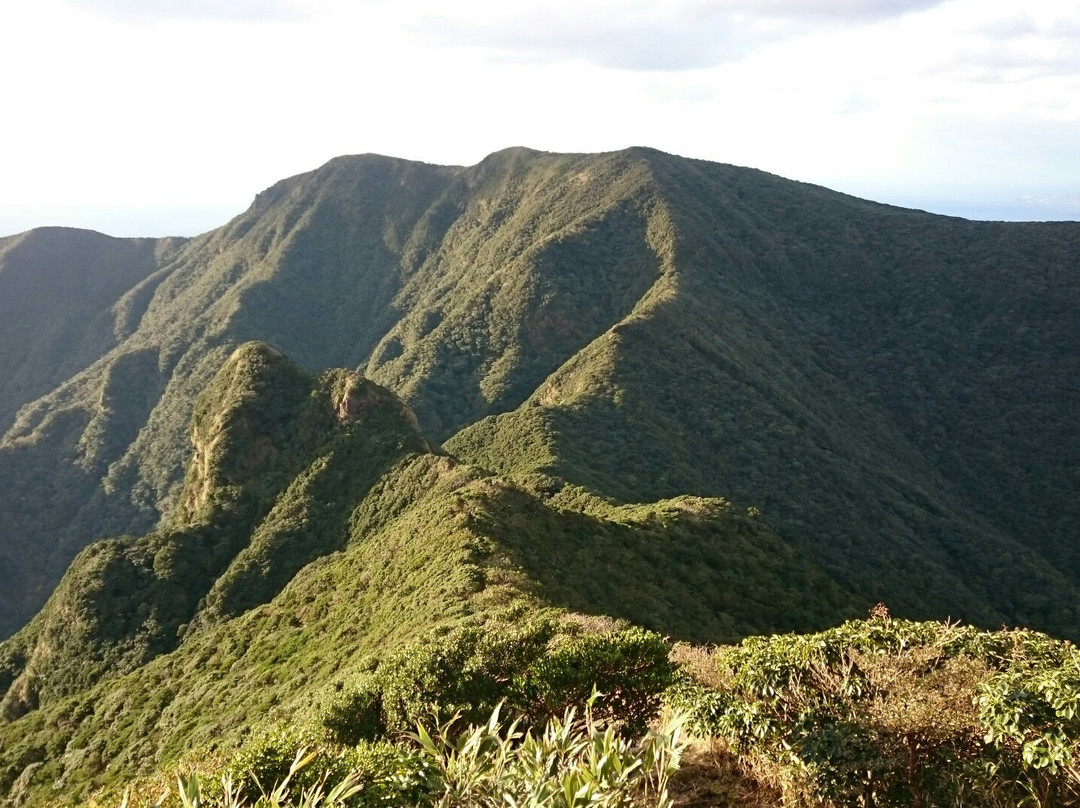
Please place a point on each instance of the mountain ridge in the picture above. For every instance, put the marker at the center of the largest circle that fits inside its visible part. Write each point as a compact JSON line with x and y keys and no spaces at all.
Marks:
{"x":394,"y":403}
{"x":535,"y":281}
{"x":318,"y":531}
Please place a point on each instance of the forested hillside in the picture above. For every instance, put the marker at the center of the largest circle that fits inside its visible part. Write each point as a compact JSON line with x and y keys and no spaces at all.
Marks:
{"x":393,"y":402}
{"x":315,"y":526}
{"x":892,"y":389}
{"x":58,"y":290}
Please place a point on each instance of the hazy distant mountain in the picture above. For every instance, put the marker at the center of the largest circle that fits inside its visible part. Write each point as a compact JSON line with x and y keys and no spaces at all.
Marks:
{"x":58,"y":287}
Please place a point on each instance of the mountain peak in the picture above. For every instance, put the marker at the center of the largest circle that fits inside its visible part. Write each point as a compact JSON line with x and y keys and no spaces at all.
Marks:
{"x":237,"y":428}
{"x":279,"y":461}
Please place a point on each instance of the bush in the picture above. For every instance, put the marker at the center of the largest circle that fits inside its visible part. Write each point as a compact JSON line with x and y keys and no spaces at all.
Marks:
{"x":389,"y":774}
{"x":629,"y":669}
{"x":573,"y":761}
{"x":466,"y":673}
{"x":535,"y":670}
{"x":270,"y":758}
{"x":356,"y":714}
{"x":895,"y":713}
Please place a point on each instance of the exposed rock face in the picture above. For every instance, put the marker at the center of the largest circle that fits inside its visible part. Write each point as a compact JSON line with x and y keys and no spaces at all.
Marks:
{"x":357,"y":398}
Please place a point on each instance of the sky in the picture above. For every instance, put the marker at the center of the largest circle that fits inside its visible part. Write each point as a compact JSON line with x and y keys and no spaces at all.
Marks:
{"x":166,"y":117}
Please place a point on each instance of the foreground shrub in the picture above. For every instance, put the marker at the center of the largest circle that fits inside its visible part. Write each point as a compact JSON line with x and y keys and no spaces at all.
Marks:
{"x":629,"y":669}
{"x":896,"y":713}
{"x":286,"y":793}
{"x":377,"y":773}
{"x":536,"y":670}
{"x":573,"y":761}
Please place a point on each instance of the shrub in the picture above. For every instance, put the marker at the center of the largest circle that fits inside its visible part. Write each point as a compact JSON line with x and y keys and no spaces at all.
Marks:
{"x":355,"y":714}
{"x":535,"y":670}
{"x":572,"y":762}
{"x":629,"y":669}
{"x":466,"y":673}
{"x":895,"y":713}
{"x":271,"y":757}
{"x":285,"y":793}
{"x":389,"y":774}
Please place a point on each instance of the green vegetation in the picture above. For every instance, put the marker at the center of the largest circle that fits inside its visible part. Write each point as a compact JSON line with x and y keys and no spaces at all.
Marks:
{"x":880,"y":712}
{"x":572,"y":762}
{"x":677,"y":399}
{"x":60,"y":290}
{"x":279,"y":461}
{"x":888,"y":388}
{"x":891,"y":712}
{"x":772,"y":365}
{"x":536,"y":671}
{"x":316,"y":541}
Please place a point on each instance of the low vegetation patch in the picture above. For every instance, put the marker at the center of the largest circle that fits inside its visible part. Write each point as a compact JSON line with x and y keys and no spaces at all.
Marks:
{"x":890,"y":712}
{"x":541,"y":714}
{"x":881,"y":713}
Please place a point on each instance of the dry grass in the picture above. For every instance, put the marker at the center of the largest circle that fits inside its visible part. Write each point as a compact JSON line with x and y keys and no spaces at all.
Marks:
{"x":710,"y":775}
{"x":594,"y":623}
{"x":700,"y":662}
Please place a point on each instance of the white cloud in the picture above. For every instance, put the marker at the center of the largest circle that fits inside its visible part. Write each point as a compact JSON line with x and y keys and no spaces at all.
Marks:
{"x":660,"y":35}
{"x":221,"y":10}
{"x":1004,"y":42}
{"x":114,"y":103}
{"x":846,"y":11}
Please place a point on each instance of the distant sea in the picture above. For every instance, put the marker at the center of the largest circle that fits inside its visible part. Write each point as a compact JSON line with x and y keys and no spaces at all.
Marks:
{"x":996,"y":207}
{"x":1034,"y":210}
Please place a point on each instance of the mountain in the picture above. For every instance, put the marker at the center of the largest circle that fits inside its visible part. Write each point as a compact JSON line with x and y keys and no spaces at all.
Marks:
{"x":394,"y":400}
{"x":66,"y":298}
{"x":317,"y":527}
{"x":892,"y":389}
{"x":276,"y":460}
{"x":57,"y":289}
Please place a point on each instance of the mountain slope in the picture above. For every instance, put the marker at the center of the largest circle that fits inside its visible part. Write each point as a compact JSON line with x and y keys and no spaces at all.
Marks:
{"x":61,"y":296}
{"x":317,"y":530}
{"x":892,"y":389}
{"x":66,"y":297}
{"x":278,"y":459}
{"x":818,"y":356}
{"x":434,"y":279}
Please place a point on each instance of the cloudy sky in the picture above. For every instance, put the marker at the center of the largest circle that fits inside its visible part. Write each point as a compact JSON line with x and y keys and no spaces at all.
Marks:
{"x":153,"y":117}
